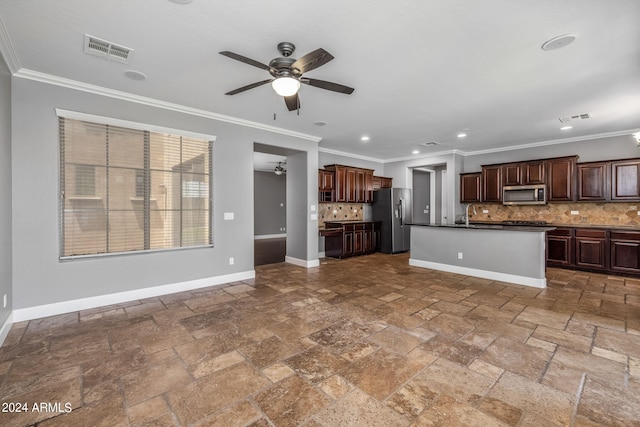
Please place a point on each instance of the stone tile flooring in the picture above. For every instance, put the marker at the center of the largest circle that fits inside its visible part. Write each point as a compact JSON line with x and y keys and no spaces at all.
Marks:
{"x":359,"y":342}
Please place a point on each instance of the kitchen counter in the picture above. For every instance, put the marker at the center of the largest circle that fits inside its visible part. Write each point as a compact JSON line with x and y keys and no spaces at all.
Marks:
{"x":557,"y":225}
{"x":514,"y":254}
{"x":492,"y":226}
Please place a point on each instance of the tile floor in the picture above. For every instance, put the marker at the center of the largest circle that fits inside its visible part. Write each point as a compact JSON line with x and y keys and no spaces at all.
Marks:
{"x":367,"y":341}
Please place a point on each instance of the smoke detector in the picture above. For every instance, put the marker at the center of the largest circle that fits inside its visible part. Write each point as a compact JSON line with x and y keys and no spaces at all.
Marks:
{"x":105,"y":49}
{"x":576,"y":117}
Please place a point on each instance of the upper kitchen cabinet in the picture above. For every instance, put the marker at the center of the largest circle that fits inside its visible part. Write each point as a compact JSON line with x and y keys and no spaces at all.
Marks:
{"x":624,"y":180}
{"x":492,"y":183}
{"x":382,"y":182}
{"x":560,"y":179}
{"x":593,"y":181}
{"x":326,"y":185}
{"x":470,"y":187}
{"x":352,"y":185}
{"x":523,"y":173}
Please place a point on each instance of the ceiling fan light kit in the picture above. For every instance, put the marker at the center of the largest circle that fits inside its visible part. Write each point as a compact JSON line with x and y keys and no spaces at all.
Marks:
{"x":287,"y":73}
{"x":286,"y":86}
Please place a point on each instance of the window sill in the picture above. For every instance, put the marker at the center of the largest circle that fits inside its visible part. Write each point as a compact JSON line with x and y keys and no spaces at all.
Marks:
{"x":84,"y":198}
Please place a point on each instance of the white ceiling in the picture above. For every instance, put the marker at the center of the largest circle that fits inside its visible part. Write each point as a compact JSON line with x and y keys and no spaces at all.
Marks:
{"x":422,"y":71}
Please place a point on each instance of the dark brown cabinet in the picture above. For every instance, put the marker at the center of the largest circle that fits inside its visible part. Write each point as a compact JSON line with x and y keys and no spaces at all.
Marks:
{"x":379,"y":182}
{"x":470,"y":187}
{"x":560,"y":179}
{"x":625,"y":176}
{"x":591,"y":249}
{"x":352,"y":184}
{"x":346,"y":239}
{"x":625,"y":251}
{"x":533,"y":172}
{"x":560,"y":247}
{"x":492,"y":183}
{"x":512,"y":174}
{"x":593,"y":181}
{"x":326,"y":186}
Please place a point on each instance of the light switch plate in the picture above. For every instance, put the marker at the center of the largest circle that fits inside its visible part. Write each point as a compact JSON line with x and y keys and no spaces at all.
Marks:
{"x":314,"y":217}
{"x":229,"y":216}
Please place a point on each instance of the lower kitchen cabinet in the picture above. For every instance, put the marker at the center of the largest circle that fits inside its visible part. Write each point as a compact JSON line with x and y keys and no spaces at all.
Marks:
{"x":592,"y":249}
{"x":625,"y":251}
{"x":346,"y":239}
{"x":560,"y":247}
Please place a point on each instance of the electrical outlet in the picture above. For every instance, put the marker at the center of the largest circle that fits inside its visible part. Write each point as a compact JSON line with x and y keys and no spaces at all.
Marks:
{"x":485,"y":210}
{"x":231,"y":261}
{"x":459,"y":255}
{"x":575,"y":212}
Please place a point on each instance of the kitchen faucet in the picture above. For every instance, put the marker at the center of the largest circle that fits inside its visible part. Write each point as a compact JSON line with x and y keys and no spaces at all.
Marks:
{"x":466,"y":213}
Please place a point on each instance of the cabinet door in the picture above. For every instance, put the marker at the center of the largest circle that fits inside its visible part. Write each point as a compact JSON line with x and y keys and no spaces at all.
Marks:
{"x":561,"y":179}
{"x":386,"y":183}
{"x":591,"y":249}
{"x":368,"y":186}
{"x":325,"y":179}
{"x":470,"y":187}
{"x":351,"y":187}
{"x":624,"y":180}
{"x":358,"y":242}
{"x":533,"y":172}
{"x":492,"y":183}
{"x":593,"y":181}
{"x":625,"y":251}
{"x":360,"y":186}
{"x":347,"y":244}
{"x":512,"y":174}
{"x":341,"y":184}
{"x":368,"y":239}
{"x":560,"y":247}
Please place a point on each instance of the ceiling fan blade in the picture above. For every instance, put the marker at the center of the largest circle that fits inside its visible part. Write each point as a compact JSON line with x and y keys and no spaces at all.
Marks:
{"x":310,"y":61}
{"x":293,"y":102}
{"x":245,"y":60}
{"x":328,"y":86}
{"x":247,"y":87}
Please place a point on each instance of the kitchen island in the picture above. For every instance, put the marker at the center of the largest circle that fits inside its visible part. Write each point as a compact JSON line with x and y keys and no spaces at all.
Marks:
{"x":349,"y":238}
{"x":514,"y":254}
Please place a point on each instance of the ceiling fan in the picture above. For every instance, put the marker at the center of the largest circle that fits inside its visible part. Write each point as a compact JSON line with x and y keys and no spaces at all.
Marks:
{"x":287,"y":73}
{"x":279,"y":170}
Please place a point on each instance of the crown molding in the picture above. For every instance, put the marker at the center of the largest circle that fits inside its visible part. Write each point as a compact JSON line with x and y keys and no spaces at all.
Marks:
{"x":551,"y":142}
{"x":425,"y":156}
{"x":351,"y":155}
{"x":7,"y":51}
{"x":143,"y":100}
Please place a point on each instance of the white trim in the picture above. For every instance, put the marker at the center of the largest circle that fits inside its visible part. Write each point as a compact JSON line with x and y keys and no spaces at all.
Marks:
{"x":4,"y":331}
{"x":99,"y":90}
{"x":120,"y":297}
{"x":350,"y":155}
{"x":485,"y":274}
{"x":301,"y":262}
{"x":322,"y":254}
{"x":269,"y":236}
{"x":103,"y":120}
{"x":424,"y":156}
{"x":7,"y":51}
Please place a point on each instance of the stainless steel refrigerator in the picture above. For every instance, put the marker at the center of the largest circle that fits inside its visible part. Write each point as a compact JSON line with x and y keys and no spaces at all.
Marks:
{"x":392,"y":207}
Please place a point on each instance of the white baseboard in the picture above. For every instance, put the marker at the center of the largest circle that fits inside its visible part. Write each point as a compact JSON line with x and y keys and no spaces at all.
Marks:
{"x":92,"y":302}
{"x":269,"y":236}
{"x":322,"y":254}
{"x":302,"y":262}
{"x":6,"y":327}
{"x":484,"y":274}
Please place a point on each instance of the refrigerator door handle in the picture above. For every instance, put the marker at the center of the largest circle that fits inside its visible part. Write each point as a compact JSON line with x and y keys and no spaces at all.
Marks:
{"x":401,"y":208}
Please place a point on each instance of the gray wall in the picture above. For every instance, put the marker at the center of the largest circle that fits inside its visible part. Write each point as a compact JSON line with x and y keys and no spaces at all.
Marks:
{"x":269,"y":198}
{"x":618,"y":147}
{"x":40,"y":278}
{"x":5,"y":192}
{"x":297,"y":202}
{"x":421,"y":197}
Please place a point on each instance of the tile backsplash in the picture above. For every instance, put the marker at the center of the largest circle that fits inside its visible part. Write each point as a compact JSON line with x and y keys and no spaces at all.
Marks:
{"x":339,"y":212}
{"x":563,"y":213}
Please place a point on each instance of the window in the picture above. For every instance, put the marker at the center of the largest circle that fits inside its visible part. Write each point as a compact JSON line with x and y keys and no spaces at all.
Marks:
{"x":127,"y":190}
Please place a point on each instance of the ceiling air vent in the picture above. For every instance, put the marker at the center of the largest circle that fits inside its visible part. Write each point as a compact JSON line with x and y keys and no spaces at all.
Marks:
{"x":428,"y":144}
{"x":576,"y":117}
{"x":107,"y":50}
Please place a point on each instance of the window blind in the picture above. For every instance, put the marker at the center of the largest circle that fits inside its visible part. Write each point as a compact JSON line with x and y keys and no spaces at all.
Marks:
{"x":127,"y":190}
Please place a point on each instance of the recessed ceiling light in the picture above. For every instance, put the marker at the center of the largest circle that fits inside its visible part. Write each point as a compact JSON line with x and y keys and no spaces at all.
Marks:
{"x":415,"y":152}
{"x":365,"y":138}
{"x":135,"y":75}
{"x":320,"y":123}
{"x":462,"y":135}
{"x":566,"y":127}
{"x":558,"y":42}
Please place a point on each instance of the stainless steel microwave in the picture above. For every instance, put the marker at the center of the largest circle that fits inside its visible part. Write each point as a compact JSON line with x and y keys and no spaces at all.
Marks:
{"x":524,"y":195}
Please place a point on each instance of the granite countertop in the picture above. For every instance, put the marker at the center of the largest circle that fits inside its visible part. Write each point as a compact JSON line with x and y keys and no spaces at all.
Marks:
{"x":490,"y":226}
{"x":560,"y":225}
